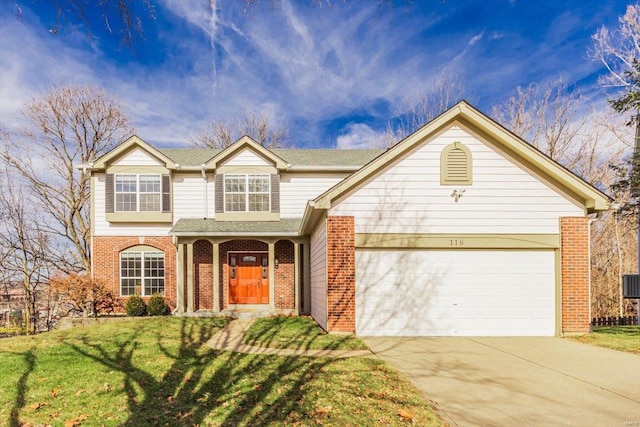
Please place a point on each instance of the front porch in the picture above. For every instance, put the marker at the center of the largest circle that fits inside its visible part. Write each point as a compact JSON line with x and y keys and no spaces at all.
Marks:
{"x":254,"y":269}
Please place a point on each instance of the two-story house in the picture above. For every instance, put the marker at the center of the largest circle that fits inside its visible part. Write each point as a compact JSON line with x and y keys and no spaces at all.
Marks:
{"x":462,"y":228}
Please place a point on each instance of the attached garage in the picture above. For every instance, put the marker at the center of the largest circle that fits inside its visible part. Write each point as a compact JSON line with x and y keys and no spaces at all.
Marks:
{"x":455,"y":292}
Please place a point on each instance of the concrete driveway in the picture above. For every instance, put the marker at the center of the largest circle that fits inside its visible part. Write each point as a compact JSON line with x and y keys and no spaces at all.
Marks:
{"x":519,"y":381}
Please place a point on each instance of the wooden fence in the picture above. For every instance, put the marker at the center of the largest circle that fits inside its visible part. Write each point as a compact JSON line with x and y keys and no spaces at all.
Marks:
{"x":614,"y":321}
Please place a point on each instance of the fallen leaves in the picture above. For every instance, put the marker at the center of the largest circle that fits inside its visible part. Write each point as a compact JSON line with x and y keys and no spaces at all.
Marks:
{"x":38,"y":405}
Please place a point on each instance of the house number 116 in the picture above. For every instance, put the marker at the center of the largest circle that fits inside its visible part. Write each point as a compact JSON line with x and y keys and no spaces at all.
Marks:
{"x":456,"y":242}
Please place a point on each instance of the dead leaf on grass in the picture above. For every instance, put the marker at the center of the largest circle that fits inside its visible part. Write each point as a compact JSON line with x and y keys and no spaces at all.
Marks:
{"x":405,"y":414}
{"x":79,"y":392}
{"x":37,"y":406}
{"x":54,"y":392}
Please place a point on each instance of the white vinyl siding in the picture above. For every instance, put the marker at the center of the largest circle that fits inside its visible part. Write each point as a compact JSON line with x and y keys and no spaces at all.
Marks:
{"x":455,"y":292}
{"x":137,"y":157}
{"x":318,"y":264}
{"x":246,"y":157}
{"x":188,"y":196}
{"x":504,"y":196}
{"x":297,"y":189}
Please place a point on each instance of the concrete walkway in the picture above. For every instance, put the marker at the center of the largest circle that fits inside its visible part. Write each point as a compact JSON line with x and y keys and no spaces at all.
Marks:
{"x":230,"y":339}
{"x":519,"y":381}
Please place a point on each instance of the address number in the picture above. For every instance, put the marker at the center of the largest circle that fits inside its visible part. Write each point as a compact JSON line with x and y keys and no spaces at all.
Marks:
{"x":456,"y":242}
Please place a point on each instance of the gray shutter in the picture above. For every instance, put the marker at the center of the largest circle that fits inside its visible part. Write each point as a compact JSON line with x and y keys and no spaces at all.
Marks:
{"x":275,"y":193}
{"x":166,"y":193}
{"x":219,"y":189}
{"x":108,"y":194}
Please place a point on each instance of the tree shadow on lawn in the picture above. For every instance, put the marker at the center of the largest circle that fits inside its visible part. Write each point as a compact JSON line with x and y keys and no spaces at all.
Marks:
{"x":298,"y":332}
{"x":237,"y":388}
{"x":21,"y":388}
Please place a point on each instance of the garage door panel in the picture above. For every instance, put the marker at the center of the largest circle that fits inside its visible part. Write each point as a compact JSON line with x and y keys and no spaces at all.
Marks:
{"x":425,"y":292}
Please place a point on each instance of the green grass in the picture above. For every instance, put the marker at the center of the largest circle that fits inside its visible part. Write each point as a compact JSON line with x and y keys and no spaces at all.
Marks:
{"x":156,"y":371}
{"x":623,"y":338}
{"x":297,"y":332}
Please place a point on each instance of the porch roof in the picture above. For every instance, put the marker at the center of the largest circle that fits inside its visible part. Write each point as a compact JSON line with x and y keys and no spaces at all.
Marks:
{"x":211,"y":227}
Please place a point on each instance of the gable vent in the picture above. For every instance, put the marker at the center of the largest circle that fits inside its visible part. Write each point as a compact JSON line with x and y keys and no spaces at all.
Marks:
{"x":455,"y":165}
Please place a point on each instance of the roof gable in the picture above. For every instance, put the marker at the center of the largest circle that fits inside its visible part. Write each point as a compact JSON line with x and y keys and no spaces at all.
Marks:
{"x":130,"y":145}
{"x":465,"y":115}
{"x":242,"y":144}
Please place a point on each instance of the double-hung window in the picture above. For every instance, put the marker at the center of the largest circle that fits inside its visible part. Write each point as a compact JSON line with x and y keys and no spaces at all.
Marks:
{"x":138,"y":193}
{"x":141,"y":273}
{"x":246,"y":193}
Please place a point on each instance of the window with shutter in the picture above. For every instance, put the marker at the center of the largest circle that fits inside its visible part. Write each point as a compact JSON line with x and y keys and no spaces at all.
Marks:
{"x":456,"y":165}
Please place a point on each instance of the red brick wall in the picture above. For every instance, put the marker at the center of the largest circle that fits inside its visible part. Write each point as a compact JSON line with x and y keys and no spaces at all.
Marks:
{"x":341,"y":277}
{"x":575,"y":264}
{"x":106,"y":261}
{"x":203,"y":275}
{"x":285,"y":275}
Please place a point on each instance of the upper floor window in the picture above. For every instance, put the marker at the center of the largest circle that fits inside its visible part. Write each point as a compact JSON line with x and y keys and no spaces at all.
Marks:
{"x":247,"y":193}
{"x":456,"y":165}
{"x":138,"y":193}
{"x":142,"y":273}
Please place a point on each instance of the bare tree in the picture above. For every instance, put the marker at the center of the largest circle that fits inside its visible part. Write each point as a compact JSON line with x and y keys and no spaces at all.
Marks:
{"x":618,"y":49}
{"x":24,"y":246}
{"x":422,"y":105}
{"x":548,"y":117}
{"x":221,"y":134}
{"x":67,"y":126}
{"x":125,"y":17}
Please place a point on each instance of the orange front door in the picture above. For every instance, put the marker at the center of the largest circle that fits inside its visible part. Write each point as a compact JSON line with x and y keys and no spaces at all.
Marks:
{"x":248,"y":278}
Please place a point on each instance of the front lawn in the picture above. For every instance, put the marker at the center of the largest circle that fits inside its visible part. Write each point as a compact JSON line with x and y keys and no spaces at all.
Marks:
{"x":157,"y":371}
{"x":623,"y":338}
{"x":297,"y":332}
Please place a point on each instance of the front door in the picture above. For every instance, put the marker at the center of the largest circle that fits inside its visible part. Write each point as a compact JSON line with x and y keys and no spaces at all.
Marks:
{"x":248,"y":278}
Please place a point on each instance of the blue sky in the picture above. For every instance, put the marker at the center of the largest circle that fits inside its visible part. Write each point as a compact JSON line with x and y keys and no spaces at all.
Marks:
{"x":332,"y":74}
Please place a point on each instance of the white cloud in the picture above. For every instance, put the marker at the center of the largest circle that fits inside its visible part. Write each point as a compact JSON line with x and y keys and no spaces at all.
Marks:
{"x":358,"y":135}
{"x":475,"y":39}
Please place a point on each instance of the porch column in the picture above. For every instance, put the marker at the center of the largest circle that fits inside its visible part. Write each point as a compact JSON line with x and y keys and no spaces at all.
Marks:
{"x":180,"y":281}
{"x":272,"y":275}
{"x":296,"y":277}
{"x":216,"y":276}
{"x":190,"y":290}
{"x":306,"y":277}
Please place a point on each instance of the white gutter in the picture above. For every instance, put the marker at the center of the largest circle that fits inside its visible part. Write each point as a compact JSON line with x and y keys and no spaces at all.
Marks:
{"x":234,"y":233}
{"x":324,"y":168}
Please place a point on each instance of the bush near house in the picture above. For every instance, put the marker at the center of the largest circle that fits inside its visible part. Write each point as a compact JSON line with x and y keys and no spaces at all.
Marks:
{"x":157,"y":306}
{"x":135,"y":306}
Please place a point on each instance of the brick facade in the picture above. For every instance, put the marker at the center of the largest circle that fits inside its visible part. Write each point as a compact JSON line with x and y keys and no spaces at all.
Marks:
{"x":285,"y":275}
{"x":575,"y":264}
{"x":203,"y":275}
{"x":106,"y":261}
{"x":341,"y":274}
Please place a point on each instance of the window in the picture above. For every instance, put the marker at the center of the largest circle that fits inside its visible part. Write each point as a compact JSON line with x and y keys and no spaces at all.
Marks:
{"x":141,"y":273}
{"x":138,"y":193}
{"x":246,"y":193}
{"x":455,"y":165}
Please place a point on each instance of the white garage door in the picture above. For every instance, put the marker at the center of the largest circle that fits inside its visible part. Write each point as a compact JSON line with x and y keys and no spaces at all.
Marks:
{"x":464,"y":292}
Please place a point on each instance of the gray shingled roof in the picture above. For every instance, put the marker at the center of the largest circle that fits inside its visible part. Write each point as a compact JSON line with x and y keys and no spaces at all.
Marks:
{"x":211,"y":227}
{"x":296,"y":157}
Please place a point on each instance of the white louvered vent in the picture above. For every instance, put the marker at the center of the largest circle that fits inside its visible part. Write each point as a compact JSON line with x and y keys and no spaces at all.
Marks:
{"x":457,"y":166}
